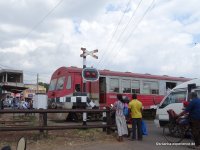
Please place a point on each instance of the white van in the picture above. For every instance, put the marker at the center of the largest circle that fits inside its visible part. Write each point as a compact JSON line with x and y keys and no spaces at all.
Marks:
{"x":174,"y":100}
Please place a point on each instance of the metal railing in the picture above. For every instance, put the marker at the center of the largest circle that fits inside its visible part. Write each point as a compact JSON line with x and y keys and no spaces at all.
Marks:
{"x":43,"y":121}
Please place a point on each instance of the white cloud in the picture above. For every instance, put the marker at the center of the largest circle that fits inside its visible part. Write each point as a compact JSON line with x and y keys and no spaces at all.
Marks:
{"x":162,"y":43}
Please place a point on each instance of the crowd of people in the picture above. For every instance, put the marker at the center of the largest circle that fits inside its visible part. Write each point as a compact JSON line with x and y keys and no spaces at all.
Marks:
{"x":135,"y":109}
{"x":16,"y":103}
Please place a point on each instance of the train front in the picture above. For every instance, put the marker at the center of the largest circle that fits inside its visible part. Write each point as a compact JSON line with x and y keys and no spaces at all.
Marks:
{"x":60,"y":87}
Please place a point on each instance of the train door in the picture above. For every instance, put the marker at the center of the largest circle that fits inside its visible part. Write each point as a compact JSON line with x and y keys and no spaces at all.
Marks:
{"x":102,"y":90}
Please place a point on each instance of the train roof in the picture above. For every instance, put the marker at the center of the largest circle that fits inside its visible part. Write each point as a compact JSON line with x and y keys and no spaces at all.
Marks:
{"x":63,"y":70}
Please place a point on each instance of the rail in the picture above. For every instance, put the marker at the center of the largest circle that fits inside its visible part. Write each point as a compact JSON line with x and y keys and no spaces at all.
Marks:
{"x":43,"y":121}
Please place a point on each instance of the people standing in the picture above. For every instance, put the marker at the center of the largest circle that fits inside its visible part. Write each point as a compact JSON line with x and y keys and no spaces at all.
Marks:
{"x":135,"y":107}
{"x":194,"y":117}
{"x":120,"y":118}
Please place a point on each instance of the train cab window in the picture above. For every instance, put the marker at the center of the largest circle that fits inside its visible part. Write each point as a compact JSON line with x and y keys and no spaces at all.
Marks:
{"x":150,"y":87}
{"x":69,"y":82}
{"x":60,"y":83}
{"x":126,"y":86}
{"x":114,"y":85}
{"x":135,"y":87}
{"x":52,"y":85}
{"x":77,"y":88}
{"x":177,"y":97}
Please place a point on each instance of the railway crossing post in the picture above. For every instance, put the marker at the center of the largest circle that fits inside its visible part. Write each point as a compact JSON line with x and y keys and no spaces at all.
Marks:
{"x":84,"y":54}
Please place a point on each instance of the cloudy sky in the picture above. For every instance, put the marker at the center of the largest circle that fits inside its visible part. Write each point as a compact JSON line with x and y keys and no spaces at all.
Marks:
{"x":144,"y":36}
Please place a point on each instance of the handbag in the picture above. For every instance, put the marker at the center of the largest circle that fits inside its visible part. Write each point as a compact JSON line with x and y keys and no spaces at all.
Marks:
{"x":144,"y":128}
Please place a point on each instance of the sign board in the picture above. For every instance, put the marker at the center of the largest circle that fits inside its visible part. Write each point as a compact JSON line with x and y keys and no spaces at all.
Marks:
{"x":91,"y":53}
{"x":90,"y":74}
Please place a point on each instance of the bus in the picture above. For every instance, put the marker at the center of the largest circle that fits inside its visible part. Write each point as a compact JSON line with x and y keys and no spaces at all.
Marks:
{"x":174,"y":100}
{"x":150,"y":88}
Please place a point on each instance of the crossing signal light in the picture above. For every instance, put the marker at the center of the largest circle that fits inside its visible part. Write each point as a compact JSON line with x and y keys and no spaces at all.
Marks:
{"x":90,"y":74}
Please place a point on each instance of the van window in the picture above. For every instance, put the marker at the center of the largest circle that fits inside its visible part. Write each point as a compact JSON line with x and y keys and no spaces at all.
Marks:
{"x":177,"y":97}
{"x":198,"y":93}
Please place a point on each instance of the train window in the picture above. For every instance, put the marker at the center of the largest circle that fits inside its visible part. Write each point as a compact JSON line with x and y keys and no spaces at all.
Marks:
{"x":135,"y":87}
{"x":52,"y":85}
{"x":69,"y":82}
{"x":60,"y":83}
{"x":177,"y":97}
{"x":77,"y":88}
{"x":150,"y":87}
{"x":126,"y":86}
{"x":114,"y":85}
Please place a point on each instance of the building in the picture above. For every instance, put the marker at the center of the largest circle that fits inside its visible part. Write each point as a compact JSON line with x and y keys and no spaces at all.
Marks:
{"x":11,"y":81}
{"x":32,"y":89}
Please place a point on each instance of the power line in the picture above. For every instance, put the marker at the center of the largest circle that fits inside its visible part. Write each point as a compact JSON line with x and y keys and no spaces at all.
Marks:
{"x":115,"y":31}
{"x":124,"y":29}
{"x":4,"y":67}
{"x":24,"y":71}
{"x":42,"y":20}
{"x":147,"y":10}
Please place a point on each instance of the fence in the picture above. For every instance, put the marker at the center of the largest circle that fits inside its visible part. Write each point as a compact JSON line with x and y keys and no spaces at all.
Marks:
{"x":43,"y":123}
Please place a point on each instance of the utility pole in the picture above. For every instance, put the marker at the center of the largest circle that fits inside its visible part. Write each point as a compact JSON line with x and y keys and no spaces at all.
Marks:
{"x":37,"y":83}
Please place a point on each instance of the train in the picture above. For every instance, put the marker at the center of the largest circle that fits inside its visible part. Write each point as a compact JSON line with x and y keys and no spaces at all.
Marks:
{"x":151,"y":89}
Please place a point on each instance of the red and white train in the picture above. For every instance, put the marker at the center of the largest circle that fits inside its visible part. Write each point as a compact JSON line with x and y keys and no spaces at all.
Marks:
{"x":149,"y":88}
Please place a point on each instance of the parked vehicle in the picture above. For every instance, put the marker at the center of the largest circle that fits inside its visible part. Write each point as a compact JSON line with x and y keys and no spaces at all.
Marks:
{"x":174,"y":100}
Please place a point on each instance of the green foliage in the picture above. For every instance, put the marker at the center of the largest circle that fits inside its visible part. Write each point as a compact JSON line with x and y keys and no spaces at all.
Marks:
{"x":46,"y":85}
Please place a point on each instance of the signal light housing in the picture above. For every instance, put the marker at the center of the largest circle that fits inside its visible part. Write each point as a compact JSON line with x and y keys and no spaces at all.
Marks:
{"x":90,"y":74}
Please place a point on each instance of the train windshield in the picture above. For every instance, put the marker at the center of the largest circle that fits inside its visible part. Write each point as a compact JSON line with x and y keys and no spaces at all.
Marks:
{"x":52,"y":85}
{"x":60,"y":83}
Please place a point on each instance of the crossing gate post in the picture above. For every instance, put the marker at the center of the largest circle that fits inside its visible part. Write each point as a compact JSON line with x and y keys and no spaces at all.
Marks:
{"x":84,"y":54}
{"x":104,"y":119}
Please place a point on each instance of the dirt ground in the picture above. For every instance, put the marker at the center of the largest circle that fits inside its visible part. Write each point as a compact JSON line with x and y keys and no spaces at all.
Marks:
{"x":64,"y":139}
{"x":51,"y":140}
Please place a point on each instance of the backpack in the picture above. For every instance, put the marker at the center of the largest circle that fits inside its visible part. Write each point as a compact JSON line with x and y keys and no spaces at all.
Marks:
{"x":125,"y":110}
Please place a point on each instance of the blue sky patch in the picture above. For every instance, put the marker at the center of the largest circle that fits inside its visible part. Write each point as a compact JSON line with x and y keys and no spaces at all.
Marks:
{"x":183,"y":18}
{"x":196,"y":38}
{"x":77,"y":27}
{"x":111,"y":7}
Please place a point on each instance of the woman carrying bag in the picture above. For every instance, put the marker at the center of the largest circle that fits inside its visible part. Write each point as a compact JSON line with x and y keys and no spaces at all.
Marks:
{"x":120,"y":118}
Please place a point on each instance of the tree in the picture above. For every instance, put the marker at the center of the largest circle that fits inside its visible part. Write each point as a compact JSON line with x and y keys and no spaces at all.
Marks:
{"x":46,"y":85}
